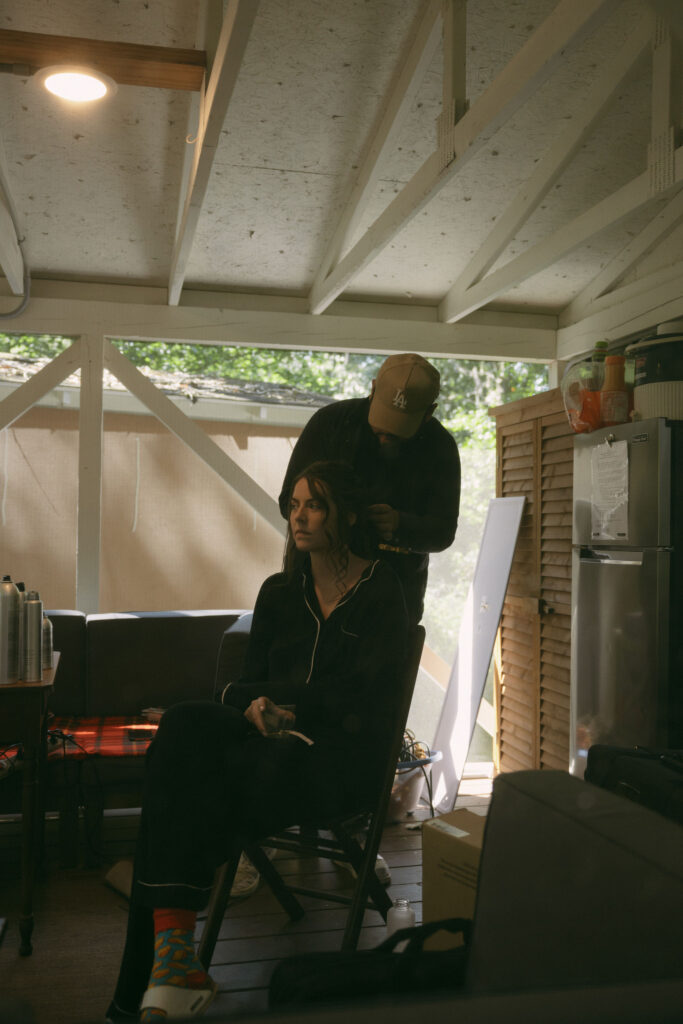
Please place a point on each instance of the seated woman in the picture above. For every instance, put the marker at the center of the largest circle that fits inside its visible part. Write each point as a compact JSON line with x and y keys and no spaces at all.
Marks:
{"x":328,"y":641}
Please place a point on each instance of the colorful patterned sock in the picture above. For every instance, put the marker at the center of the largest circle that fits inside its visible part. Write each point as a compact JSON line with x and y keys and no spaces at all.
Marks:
{"x":175,"y":962}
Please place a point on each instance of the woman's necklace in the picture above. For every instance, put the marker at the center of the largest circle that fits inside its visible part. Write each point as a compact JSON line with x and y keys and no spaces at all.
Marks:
{"x":329,"y":596}
{"x":330,"y":591}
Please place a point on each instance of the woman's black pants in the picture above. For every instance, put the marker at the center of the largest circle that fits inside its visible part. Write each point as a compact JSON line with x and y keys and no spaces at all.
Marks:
{"x":210,"y":778}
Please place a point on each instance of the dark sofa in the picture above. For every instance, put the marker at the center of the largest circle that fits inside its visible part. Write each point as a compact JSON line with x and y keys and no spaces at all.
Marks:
{"x":112,"y":667}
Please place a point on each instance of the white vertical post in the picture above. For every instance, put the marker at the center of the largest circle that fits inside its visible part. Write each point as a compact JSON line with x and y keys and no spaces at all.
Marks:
{"x":556,"y":370}
{"x":90,"y":475}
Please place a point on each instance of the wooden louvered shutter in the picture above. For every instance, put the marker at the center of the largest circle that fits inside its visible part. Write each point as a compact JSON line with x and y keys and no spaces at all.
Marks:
{"x":535,"y":459}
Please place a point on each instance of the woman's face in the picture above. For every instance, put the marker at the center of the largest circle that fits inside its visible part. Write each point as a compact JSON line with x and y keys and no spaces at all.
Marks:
{"x":311,"y":521}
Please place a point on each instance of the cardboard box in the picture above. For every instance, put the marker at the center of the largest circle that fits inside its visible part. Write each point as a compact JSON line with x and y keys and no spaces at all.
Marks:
{"x":451,"y":848}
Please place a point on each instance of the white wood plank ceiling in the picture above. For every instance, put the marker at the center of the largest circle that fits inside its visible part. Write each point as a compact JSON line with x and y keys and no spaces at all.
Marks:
{"x":497,"y":178}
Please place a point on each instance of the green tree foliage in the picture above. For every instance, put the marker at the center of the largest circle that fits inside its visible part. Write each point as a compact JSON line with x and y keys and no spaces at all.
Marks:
{"x":34,"y":346}
{"x":468,"y":387}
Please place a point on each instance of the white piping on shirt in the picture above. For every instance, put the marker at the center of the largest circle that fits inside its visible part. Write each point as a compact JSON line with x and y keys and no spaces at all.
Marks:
{"x":347,"y":597}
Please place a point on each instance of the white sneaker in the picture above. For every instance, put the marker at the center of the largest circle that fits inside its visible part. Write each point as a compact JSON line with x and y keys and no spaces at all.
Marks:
{"x":247,"y":878}
{"x":382,"y":870}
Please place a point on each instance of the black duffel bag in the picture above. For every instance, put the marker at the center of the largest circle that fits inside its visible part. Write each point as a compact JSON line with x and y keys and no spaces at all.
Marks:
{"x":362,"y":974}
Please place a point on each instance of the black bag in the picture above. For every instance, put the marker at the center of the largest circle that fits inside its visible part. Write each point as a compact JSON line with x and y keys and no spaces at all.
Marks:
{"x":653,"y":778}
{"x":331,"y":977}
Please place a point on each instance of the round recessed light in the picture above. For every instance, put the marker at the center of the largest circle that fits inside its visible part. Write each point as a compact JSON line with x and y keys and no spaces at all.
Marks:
{"x":77,"y":84}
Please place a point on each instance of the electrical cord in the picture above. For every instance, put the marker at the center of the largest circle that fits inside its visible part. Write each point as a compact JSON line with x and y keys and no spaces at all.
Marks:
{"x":10,"y":759}
{"x":27,"y":273}
{"x":415,"y":750}
{"x":90,"y":758}
{"x":412,"y":750}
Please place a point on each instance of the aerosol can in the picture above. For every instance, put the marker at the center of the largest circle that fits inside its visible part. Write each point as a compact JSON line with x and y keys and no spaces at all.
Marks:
{"x":21,"y":645}
{"x":9,"y":631}
{"x":33,"y":612}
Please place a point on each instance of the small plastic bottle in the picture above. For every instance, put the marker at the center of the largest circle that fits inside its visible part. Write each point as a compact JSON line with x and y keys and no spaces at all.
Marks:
{"x":599,"y":352}
{"x":614,"y":393}
{"x":589,"y":389}
{"x":400,"y":915}
{"x":590,"y":413}
{"x":47,"y":642}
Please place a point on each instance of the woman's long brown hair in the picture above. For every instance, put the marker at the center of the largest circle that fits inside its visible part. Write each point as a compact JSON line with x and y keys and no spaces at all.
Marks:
{"x":334,"y":483}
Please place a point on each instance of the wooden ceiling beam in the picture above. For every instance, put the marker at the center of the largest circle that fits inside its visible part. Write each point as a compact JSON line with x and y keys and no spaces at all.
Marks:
{"x":615,"y":208}
{"x":411,"y":69}
{"x":663,"y":223}
{"x":627,"y":312}
{"x":523,"y":74}
{"x":214,"y":103}
{"x":11,"y":256}
{"x":157,"y":67}
{"x":549,"y":168}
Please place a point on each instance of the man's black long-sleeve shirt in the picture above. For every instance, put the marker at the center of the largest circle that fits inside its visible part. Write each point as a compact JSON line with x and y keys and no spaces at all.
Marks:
{"x":422,"y":484}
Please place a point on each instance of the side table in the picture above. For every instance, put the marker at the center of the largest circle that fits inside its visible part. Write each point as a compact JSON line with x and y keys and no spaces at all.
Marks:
{"x":23,"y":719}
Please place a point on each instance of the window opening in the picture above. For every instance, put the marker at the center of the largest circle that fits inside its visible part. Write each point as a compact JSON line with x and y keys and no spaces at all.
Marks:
{"x":468,"y":389}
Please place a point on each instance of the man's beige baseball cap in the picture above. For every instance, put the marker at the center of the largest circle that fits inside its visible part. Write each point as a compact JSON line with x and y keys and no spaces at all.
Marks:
{"x":406,"y":386}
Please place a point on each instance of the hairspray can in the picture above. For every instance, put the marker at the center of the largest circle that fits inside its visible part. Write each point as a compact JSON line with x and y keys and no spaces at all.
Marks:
{"x":21,"y":643}
{"x":9,"y":631}
{"x":34,"y":637}
{"x":47,"y":642}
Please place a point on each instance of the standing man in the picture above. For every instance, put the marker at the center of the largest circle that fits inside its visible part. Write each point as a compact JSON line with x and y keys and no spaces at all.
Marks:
{"x":407,"y":461}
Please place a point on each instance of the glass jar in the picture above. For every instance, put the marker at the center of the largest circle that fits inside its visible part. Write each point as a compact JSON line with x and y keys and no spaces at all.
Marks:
{"x":400,"y":915}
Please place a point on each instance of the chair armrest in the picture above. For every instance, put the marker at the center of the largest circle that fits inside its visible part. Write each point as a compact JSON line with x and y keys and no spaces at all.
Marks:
{"x":231,"y":653}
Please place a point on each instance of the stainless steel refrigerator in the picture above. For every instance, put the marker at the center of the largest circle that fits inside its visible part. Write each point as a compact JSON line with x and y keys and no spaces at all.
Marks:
{"x":627,"y":601}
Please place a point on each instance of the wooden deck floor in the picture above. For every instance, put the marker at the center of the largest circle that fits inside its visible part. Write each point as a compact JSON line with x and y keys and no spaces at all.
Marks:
{"x":80,"y":927}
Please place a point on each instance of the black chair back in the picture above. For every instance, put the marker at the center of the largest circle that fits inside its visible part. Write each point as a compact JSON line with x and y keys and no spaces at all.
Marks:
{"x":343,"y":846}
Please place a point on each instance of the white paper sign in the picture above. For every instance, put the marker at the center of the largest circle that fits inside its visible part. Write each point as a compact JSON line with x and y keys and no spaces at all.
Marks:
{"x":609,"y":491}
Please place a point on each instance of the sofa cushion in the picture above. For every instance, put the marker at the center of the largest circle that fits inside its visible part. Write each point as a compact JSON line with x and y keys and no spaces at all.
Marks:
{"x":98,"y":736}
{"x":137,"y":660}
{"x":68,"y":631}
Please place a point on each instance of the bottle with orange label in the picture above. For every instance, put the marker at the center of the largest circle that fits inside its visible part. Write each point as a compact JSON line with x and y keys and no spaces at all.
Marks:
{"x":590,"y":408}
{"x":614,"y":398}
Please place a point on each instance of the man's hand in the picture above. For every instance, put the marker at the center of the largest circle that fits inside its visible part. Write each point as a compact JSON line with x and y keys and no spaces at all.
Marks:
{"x":385,"y":519}
{"x":268,"y":717}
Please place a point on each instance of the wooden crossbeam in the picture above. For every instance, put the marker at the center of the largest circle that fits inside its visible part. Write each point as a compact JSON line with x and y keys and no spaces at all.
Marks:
{"x":11,"y":257}
{"x":488,"y":336}
{"x":663,"y":223}
{"x":159,"y":67}
{"x":411,"y":70}
{"x":525,"y":72}
{"x":31,"y":391}
{"x":192,"y":435}
{"x":548,"y":170}
{"x":628,"y":311}
{"x":607,"y":213}
{"x":214,"y":103}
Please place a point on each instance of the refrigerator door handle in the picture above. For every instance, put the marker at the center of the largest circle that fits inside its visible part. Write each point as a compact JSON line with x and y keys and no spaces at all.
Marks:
{"x":592,"y":556}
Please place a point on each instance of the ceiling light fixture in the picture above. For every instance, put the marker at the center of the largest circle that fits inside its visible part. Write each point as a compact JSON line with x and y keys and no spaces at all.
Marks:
{"x":76,"y":83}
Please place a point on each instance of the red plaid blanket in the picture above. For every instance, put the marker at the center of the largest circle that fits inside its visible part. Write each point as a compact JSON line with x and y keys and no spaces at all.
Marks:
{"x":107,"y":736}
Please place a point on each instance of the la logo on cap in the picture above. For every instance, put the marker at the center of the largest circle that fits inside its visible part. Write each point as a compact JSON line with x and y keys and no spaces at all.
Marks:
{"x":399,"y":399}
